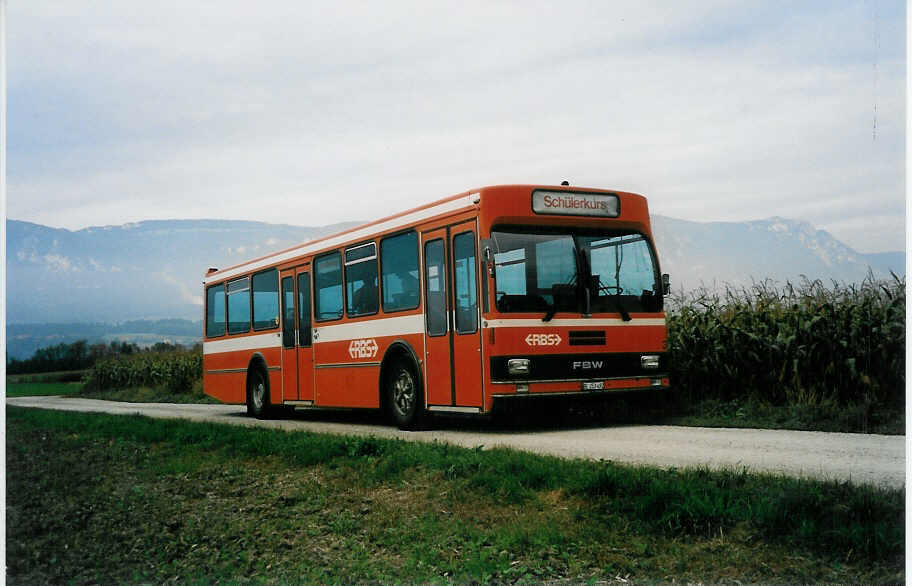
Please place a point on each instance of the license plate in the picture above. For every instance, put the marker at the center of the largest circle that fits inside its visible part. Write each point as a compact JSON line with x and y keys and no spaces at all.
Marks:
{"x":594,"y":386}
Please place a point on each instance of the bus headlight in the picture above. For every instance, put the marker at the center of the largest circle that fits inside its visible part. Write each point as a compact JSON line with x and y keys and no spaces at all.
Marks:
{"x":518,"y":366}
{"x":649,"y":362}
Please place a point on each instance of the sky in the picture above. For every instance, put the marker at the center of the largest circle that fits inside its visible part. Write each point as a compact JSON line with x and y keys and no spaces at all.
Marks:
{"x":315,"y":113}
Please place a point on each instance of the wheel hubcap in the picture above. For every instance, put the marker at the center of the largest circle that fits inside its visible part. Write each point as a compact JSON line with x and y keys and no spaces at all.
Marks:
{"x":259,"y":394}
{"x":404,"y":393}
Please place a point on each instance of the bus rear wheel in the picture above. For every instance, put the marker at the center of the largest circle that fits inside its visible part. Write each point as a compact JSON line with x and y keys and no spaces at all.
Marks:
{"x":257,"y":394}
{"x":405,"y":397}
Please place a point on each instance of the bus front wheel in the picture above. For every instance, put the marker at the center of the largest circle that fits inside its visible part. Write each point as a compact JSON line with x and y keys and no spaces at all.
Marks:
{"x":257,"y":394}
{"x":405,"y":397}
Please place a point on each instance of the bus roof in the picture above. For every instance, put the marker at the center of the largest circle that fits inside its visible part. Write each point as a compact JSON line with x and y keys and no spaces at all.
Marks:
{"x":447,"y":205}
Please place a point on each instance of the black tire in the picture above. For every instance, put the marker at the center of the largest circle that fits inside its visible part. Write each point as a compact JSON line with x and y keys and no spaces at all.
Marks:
{"x":404,"y":396}
{"x":258,"y":394}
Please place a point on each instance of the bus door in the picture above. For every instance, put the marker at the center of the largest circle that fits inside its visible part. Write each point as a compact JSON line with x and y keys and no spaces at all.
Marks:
{"x":297,"y":350}
{"x":452,"y":336}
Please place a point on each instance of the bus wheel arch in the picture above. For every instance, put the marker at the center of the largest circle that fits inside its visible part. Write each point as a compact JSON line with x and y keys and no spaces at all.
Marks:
{"x":257,"y":383}
{"x":401,"y":389}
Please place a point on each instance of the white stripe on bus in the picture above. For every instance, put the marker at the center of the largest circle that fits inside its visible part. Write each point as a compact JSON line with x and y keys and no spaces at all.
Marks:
{"x":591,"y":322}
{"x":404,"y":325}
{"x":374,"y":328}
{"x":366,"y":232}
{"x":245,"y":343}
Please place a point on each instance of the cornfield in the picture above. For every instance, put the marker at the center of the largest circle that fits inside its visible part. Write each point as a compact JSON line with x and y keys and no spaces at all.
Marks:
{"x":175,"y":371}
{"x":806,"y":344}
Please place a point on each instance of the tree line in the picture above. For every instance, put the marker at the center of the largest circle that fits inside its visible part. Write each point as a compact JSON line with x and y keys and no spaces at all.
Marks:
{"x":79,"y":355}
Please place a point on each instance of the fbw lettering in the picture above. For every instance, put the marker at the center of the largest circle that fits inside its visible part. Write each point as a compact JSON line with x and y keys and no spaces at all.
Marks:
{"x":588,"y":364}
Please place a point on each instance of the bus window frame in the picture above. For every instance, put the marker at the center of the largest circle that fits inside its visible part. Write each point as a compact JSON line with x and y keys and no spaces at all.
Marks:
{"x":574,"y":231}
{"x":345,"y":264}
{"x":446,"y":287}
{"x":314,"y":289}
{"x":473,"y":240}
{"x":225,"y":313}
{"x":249,"y":304}
{"x":417,"y":258}
{"x":275,"y":323}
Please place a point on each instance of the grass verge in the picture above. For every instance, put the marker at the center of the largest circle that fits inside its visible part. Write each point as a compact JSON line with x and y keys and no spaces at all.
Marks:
{"x":98,"y":498}
{"x":149,"y":395}
{"x":63,"y":376}
{"x":671,"y":409}
{"x":34,"y":389}
{"x":751,"y":413}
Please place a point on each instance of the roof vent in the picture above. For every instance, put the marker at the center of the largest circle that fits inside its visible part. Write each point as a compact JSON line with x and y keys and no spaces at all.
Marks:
{"x":211,"y":270}
{"x":565,"y":182}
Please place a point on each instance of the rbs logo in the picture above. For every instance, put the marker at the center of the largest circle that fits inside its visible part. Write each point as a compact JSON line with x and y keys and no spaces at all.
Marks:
{"x":543,"y":339}
{"x":363,"y":348}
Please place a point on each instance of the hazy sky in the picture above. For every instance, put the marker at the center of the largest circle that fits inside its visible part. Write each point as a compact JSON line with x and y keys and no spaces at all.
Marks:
{"x":314,"y":113}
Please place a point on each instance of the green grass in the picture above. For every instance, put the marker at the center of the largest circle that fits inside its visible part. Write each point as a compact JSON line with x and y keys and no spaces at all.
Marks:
{"x":752,"y":413}
{"x":149,"y":395}
{"x":63,"y":376}
{"x":34,"y":389}
{"x":98,"y":498}
{"x":671,"y":408}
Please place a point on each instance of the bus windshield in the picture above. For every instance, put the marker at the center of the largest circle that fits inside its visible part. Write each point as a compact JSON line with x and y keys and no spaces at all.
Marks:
{"x":578,"y":272}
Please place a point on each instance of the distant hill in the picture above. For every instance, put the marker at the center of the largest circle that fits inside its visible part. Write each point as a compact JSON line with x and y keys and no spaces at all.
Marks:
{"x":153,"y":270}
{"x":23,"y":339}
{"x":887,"y":261}
{"x":739,"y":253}
{"x":146,"y":270}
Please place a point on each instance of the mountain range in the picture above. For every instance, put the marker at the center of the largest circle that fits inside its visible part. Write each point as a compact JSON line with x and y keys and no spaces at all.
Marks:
{"x":153,"y":270}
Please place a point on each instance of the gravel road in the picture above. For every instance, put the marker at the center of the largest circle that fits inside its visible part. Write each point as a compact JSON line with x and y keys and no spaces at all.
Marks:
{"x":869,"y":459}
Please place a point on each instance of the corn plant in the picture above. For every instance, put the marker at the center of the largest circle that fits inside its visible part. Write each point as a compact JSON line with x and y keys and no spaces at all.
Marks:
{"x":792,"y":344}
{"x":174,"y":371}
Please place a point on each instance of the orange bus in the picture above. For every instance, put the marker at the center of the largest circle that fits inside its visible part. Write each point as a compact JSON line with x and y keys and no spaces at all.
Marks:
{"x":486,"y":296}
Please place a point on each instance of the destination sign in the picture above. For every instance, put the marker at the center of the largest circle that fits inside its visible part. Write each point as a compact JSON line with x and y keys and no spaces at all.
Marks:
{"x":566,"y":203}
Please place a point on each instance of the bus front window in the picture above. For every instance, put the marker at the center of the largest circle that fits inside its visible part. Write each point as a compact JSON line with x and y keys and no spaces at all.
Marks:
{"x":534,"y":272}
{"x":540,"y":271}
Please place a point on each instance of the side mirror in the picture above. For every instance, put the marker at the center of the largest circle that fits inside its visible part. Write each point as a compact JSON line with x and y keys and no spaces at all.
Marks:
{"x":487,"y":254}
{"x":666,"y":284}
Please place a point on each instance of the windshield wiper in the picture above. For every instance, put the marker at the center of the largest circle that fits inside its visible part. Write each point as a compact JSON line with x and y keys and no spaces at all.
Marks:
{"x":620,"y":306}
{"x":625,"y":315}
{"x":552,"y":309}
{"x":555,"y":294}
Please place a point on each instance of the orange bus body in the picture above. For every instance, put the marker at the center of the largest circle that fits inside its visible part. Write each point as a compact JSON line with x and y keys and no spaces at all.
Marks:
{"x":477,"y":322}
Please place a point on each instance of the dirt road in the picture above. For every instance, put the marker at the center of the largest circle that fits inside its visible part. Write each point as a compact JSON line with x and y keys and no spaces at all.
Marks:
{"x":869,"y":459}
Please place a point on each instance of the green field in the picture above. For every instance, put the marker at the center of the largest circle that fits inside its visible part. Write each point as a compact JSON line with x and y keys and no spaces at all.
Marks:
{"x":33,"y":389}
{"x":63,"y":376}
{"x":113,"y":499}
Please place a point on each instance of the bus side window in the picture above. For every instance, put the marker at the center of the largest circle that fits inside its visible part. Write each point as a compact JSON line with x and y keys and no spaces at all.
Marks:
{"x":239,"y":306}
{"x":288,"y":316}
{"x":361,"y":279}
{"x":215,"y":311}
{"x":266,"y":300}
{"x":464,"y":283}
{"x":435,"y":279}
{"x":328,"y":287}
{"x":399,"y":272}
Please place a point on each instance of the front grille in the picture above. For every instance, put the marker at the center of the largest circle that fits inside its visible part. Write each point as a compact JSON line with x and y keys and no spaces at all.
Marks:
{"x":588,"y":338}
{"x":578,"y":366}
